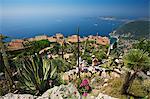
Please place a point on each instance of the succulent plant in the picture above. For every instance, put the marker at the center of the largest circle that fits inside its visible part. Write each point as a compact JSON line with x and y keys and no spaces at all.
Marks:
{"x":35,"y":74}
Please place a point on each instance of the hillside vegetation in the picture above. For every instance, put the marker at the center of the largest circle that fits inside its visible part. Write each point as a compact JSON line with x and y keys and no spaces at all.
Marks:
{"x":135,"y":29}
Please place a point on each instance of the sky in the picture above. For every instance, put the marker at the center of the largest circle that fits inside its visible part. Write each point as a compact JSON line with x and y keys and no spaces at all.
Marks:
{"x":13,"y":8}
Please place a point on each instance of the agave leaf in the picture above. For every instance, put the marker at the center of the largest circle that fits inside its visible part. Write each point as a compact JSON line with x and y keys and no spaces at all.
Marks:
{"x":30,"y":85}
{"x":33,"y":64}
{"x":43,"y":84}
{"x":38,"y":64}
{"x":30,"y":67}
{"x":26,"y":83}
{"x":36,"y":76}
{"x":26,"y":69}
{"x":53,"y":71}
{"x":34,"y":73}
{"x":28,"y":74}
{"x":46,"y":67}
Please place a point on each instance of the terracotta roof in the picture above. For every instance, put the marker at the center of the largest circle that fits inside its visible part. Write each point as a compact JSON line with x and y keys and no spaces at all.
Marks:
{"x":52,"y":39}
{"x":16,"y":44}
{"x":73,"y":39}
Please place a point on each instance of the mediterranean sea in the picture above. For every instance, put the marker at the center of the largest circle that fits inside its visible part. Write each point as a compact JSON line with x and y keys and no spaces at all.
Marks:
{"x":25,"y":27}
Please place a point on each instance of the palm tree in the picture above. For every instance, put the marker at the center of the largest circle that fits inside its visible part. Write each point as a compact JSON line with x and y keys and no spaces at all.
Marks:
{"x":137,"y":61}
{"x":143,"y":44}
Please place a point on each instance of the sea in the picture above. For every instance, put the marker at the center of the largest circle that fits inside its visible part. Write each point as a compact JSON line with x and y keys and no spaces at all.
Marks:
{"x":26,"y":27}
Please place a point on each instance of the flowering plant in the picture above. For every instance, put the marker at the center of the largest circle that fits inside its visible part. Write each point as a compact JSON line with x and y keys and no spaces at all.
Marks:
{"x":84,"y":87}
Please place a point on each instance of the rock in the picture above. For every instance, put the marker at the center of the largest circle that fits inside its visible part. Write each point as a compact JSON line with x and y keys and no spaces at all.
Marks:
{"x":105,"y":85}
{"x":93,"y":81}
{"x":89,"y":97}
{"x":57,"y":92}
{"x":95,"y":92}
{"x":61,"y":92}
{"x":103,"y":96}
{"x":115,"y":75}
{"x":65,"y":77}
{"x":17,"y":96}
{"x":105,"y":75}
{"x":118,"y":71}
{"x":105,"y":80}
{"x":148,"y":73}
{"x":2,"y":76}
{"x":92,"y":97}
{"x":143,"y":75}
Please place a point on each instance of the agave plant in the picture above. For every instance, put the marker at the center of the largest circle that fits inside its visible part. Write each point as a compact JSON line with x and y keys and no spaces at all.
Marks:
{"x":35,"y":73}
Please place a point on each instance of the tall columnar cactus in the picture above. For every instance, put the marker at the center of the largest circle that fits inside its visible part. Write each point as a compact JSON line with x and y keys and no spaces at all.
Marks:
{"x":8,"y":73}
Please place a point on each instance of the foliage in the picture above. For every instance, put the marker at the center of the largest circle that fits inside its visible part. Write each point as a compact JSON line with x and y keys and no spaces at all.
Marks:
{"x":30,"y":48}
{"x":4,"y":87}
{"x":1,"y":90}
{"x":143,"y":44}
{"x":138,"y":29}
{"x":56,"y":48}
{"x":114,"y":85}
{"x":137,"y":59}
{"x":100,"y":54}
{"x":36,"y":46}
{"x":35,"y":74}
{"x":116,"y":52}
{"x":140,"y":88}
{"x":87,"y":57}
{"x":89,"y":49}
{"x":61,"y":64}
{"x":7,"y":69}
{"x":1,"y":64}
{"x":110,"y":63}
{"x":72,"y":61}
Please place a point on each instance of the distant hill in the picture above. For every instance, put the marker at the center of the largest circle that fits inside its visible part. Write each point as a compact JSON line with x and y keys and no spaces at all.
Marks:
{"x":135,"y":29}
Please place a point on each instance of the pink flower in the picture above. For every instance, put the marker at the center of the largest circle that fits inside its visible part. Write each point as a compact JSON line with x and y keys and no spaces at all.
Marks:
{"x":85,"y":82}
{"x":87,"y":87}
{"x":85,"y":94}
{"x":81,"y":85}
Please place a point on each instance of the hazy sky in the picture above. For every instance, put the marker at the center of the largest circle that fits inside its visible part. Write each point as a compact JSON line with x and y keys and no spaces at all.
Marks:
{"x":10,"y":8}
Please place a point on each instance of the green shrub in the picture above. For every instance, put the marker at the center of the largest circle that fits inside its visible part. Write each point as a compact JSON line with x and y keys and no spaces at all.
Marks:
{"x":137,"y":89}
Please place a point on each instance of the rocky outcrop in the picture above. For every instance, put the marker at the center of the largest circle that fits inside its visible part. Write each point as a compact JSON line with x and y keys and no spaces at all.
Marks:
{"x":57,"y":92}
{"x":103,"y":96}
{"x":18,"y":96}
{"x":61,"y":92}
